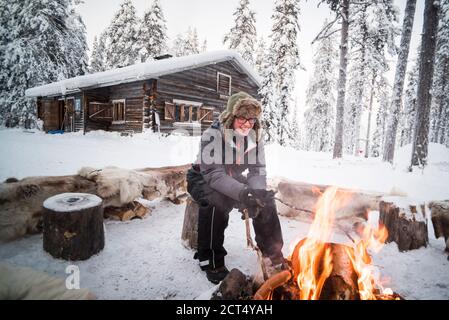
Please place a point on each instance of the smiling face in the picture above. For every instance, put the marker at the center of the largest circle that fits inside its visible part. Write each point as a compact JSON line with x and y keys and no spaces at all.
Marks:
{"x":243,"y":125}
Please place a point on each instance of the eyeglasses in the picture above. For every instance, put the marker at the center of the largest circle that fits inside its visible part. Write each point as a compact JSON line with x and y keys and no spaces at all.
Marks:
{"x":242,"y":120}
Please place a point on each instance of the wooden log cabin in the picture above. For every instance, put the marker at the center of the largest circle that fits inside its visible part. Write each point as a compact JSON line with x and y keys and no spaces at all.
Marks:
{"x":162,"y":95}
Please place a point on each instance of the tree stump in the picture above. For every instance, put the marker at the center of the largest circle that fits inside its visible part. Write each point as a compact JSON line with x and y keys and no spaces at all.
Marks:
{"x":440,"y":220}
{"x":190,"y":225}
{"x":405,"y":222}
{"x":73,"y":225}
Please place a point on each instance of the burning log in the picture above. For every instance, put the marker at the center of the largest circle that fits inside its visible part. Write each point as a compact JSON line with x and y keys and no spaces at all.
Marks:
{"x":323,"y":270}
{"x":341,"y":284}
{"x":405,"y":222}
{"x":73,"y":226}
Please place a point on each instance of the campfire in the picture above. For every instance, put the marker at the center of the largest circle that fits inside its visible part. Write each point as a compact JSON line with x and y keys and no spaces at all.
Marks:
{"x":320,"y":269}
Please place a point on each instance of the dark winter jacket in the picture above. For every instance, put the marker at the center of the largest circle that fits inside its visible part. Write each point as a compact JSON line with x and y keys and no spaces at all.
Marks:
{"x":224,"y":157}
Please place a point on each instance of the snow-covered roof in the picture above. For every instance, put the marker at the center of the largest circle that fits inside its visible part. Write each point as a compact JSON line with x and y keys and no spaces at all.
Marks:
{"x":141,"y":71}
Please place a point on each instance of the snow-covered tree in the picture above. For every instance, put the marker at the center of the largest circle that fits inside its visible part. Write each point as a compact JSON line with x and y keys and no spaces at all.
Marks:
{"x":319,"y":118}
{"x":283,"y":60}
{"x":243,"y":36}
{"x":45,"y":42}
{"x":204,"y":46}
{"x":186,"y":44}
{"x":98,"y":58}
{"x":152,"y":34}
{"x":294,"y":132}
{"x":407,"y":117}
{"x":76,"y":47}
{"x":122,"y":45}
{"x":260,"y":56}
{"x":341,"y":8}
{"x":382,"y":92}
{"x":424,"y":98}
{"x":440,"y":100}
{"x":268,"y":95}
{"x":399,"y":78}
{"x":192,"y":41}
{"x":372,"y":33}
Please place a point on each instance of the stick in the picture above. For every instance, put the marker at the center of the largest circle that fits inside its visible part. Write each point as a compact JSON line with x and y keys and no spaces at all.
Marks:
{"x":250,"y":243}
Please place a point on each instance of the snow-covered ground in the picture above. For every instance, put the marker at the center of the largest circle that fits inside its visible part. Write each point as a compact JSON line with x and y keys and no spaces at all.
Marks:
{"x":145,"y":259}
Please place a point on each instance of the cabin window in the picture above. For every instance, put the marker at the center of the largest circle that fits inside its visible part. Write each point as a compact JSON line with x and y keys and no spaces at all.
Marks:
{"x":206,"y":114}
{"x":118,"y":111}
{"x":223,"y":84}
{"x":187,"y":111}
{"x":169,"y":111}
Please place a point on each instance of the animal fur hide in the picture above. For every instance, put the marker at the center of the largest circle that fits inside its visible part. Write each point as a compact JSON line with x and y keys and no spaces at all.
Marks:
{"x":118,"y":186}
{"x":21,"y":201}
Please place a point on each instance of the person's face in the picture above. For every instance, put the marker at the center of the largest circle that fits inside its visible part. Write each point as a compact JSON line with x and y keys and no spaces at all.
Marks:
{"x":243,"y":125}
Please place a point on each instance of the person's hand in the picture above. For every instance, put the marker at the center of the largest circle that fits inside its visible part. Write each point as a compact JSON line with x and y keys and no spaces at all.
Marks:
{"x":256,"y":199}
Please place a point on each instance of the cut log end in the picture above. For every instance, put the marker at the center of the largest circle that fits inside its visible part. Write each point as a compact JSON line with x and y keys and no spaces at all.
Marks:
{"x":73,"y":226}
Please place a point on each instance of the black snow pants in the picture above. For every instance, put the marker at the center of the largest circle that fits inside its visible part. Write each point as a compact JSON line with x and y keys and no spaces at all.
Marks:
{"x":214,"y":208}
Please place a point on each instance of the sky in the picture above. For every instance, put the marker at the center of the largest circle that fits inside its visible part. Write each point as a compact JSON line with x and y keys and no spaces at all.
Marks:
{"x":214,"y":18}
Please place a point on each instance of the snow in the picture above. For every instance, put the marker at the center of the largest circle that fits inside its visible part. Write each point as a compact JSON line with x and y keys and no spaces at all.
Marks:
{"x":68,"y":202}
{"x":141,"y":71}
{"x":145,"y":259}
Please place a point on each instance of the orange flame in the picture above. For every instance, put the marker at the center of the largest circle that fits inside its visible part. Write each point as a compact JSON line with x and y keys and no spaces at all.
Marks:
{"x":312,"y":262}
{"x":314,"y":256}
{"x":374,"y":239}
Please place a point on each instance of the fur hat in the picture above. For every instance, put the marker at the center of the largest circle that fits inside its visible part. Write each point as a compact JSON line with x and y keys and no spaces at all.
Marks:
{"x":241,"y":105}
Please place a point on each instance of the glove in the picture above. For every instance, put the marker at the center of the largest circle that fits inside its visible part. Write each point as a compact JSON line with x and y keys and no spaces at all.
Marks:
{"x":255,"y":200}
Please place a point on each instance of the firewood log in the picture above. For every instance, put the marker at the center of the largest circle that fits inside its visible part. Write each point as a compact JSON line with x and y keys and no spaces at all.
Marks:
{"x":305,"y":196}
{"x":342,"y":282}
{"x":440,"y":220}
{"x":405,"y":222}
{"x":190,"y":226}
{"x":73,"y":226}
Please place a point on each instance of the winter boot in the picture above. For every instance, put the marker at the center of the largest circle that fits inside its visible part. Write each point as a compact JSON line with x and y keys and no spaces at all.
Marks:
{"x":216,"y":275}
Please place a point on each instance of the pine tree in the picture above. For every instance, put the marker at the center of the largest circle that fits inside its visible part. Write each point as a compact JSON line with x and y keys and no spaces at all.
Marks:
{"x":98,"y":59}
{"x":382,"y":93}
{"x":242,"y":36}
{"x":399,"y":80}
{"x":423,"y":101}
{"x":440,"y":100}
{"x":204,"y":46}
{"x":372,"y":33}
{"x":192,"y":43}
{"x":44,"y":40}
{"x":342,"y":10}
{"x":121,"y":45}
{"x":76,"y":47}
{"x":295,"y":138}
{"x":268,"y":95}
{"x":407,"y":118}
{"x":319,"y":118}
{"x":186,"y":44}
{"x":178,"y":47}
{"x":152,"y":34}
{"x":284,"y":57}
{"x":260,"y":56}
